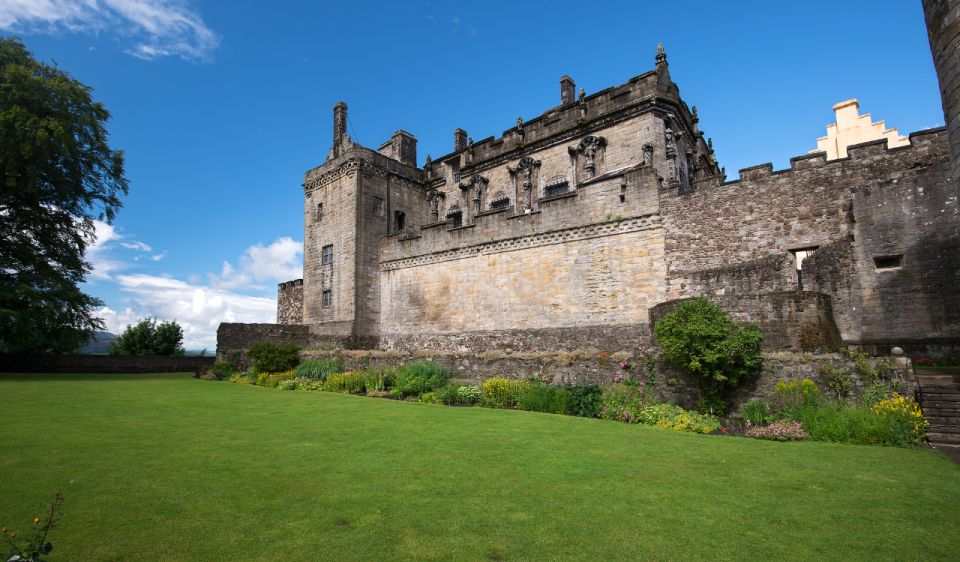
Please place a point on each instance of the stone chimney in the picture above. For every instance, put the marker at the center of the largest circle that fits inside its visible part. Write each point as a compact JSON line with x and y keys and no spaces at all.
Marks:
{"x":459,"y":140}
{"x":402,"y":146}
{"x":339,"y":127}
{"x":567,"y":90}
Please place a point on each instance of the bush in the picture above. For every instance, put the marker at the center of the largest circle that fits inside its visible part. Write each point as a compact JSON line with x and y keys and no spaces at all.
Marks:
{"x":837,"y":380}
{"x":542,"y":397}
{"x":318,"y":369}
{"x":623,"y":402}
{"x":418,"y":378}
{"x":669,"y":416}
{"x":269,"y":357}
{"x":448,"y":394}
{"x":755,"y":412}
{"x":584,"y":400}
{"x":778,"y":431}
{"x":379,"y":381}
{"x":700,"y":338}
{"x":848,"y":424}
{"x":790,"y":395}
{"x":874,"y":393}
{"x":224,"y":368}
{"x":711,"y":404}
{"x":273,"y":380}
{"x":243,"y":378}
{"x":906,"y":419}
{"x":468,"y":394}
{"x":308,"y":384}
{"x":349,"y":382}
{"x":288,"y":384}
{"x":501,"y":392}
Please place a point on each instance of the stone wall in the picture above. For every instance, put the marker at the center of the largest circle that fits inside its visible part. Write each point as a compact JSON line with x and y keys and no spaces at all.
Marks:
{"x":102,"y":364}
{"x":606,"y":338}
{"x":789,"y":320}
{"x":589,"y":366}
{"x":290,"y":302}
{"x":943,"y":27}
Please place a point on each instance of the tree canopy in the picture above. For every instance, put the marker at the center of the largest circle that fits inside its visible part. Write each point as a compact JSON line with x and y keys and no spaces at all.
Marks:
{"x":58,"y":174}
{"x":148,"y":337}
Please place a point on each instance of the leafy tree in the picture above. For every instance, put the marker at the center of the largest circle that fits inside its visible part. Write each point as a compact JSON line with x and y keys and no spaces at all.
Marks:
{"x":268,"y":357}
{"x":699,"y":337}
{"x":149,"y":338}
{"x":57,"y":175}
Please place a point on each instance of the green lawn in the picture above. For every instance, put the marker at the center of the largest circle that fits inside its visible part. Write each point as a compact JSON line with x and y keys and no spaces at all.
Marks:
{"x":165,"y":467}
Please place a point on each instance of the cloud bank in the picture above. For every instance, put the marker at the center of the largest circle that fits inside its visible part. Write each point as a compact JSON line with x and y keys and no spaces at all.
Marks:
{"x":148,"y":29}
{"x":245,"y":292}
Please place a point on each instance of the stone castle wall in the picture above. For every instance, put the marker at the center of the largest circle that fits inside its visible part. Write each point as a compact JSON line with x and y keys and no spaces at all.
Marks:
{"x":943,"y":28}
{"x":290,"y":302}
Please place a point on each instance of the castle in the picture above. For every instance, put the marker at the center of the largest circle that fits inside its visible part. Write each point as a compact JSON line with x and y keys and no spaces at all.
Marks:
{"x":581,"y":226}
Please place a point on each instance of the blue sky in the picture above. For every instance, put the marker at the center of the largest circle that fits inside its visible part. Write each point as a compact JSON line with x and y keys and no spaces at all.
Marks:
{"x":221,"y":106}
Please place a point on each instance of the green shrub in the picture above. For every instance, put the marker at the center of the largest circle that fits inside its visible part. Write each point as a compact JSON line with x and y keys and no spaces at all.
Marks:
{"x":669,"y":416}
{"x":418,"y":378}
{"x":224,"y":368}
{"x":847,"y":424}
{"x":501,"y":392}
{"x":622,"y":402}
{"x":267,"y":357}
{"x":288,"y":384}
{"x":755,"y":412}
{"x":379,"y":381}
{"x":273,"y":380}
{"x":243,"y":378}
{"x":448,"y":394}
{"x":699,"y":337}
{"x":429,"y":398}
{"x":788,"y":396}
{"x":308,"y":384}
{"x":584,"y":400}
{"x":318,"y":369}
{"x":838,"y":380}
{"x":542,"y":397}
{"x":874,"y":393}
{"x":468,"y":394}
{"x":349,"y":382}
{"x":711,"y":404}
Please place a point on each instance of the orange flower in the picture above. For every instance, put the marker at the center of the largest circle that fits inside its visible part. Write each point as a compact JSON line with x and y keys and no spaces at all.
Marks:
{"x":36,"y":520}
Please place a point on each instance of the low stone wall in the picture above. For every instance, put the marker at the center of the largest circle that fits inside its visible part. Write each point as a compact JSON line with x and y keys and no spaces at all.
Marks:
{"x":233,"y":339}
{"x":790,"y":320}
{"x":626,"y":337}
{"x":102,"y":364}
{"x":590,"y":366}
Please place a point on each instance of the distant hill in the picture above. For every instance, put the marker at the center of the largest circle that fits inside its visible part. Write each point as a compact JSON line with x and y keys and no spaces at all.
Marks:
{"x":99,"y":344}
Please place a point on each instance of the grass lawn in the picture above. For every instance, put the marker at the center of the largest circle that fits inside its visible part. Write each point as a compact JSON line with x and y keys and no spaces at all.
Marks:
{"x":165,"y":467}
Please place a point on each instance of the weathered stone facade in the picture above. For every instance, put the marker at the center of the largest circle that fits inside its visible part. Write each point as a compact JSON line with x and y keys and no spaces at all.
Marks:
{"x":290,"y":302}
{"x":575,"y":228}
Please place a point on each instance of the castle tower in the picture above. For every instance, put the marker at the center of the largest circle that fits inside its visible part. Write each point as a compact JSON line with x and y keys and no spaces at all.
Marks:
{"x":943,"y":28}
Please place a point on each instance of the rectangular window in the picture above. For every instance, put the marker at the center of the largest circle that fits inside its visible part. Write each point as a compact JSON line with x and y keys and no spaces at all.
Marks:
{"x":320,"y":210}
{"x":799,"y":255}
{"x":888,"y":262}
{"x":327,"y":298}
{"x":379,"y":208}
{"x":455,"y":171}
{"x":399,"y":220}
{"x":327,"y":255}
{"x":557,"y":189}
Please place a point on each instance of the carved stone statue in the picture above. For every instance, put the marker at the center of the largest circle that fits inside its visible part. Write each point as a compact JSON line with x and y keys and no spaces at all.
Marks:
{"x":671,"y":144}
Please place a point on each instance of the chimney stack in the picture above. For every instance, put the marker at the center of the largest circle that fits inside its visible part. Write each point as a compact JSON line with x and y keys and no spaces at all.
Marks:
{"x":567,"y":90}
{"x":459,"y":140}
{"x":339,"y":127}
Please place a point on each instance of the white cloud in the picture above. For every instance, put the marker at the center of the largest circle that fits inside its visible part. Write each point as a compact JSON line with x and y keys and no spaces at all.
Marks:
{"x":199,"y":310}
{"x":158,"y":257}
{"x":280,"y":261}
{"x":136,"y":246}
{"x":154,"y":28}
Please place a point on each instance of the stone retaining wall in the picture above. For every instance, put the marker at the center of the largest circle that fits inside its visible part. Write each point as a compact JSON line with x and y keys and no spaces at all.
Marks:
{"x":102,"y":364}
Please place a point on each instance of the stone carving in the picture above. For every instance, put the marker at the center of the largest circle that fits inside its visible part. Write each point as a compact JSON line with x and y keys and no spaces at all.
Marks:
{"x":648,"y":155}
{"x":524,"y":172}
{"x":589,"y":149}
{"x":671,"y":144}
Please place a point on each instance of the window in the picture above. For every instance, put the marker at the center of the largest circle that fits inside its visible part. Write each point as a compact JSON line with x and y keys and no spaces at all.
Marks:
{"x":888,"y":262}
{"x":320,"y":210}
{"x":500,"y":203}
{"x":327,"y":255}
{"x":455,"y":216}
{"x":455,"y":171}
{"x":327,"y":298}
{"x":399,"y":220}
{"x":557,"y":185}
{"x":799,"y":255}
{"x":378,"y":207}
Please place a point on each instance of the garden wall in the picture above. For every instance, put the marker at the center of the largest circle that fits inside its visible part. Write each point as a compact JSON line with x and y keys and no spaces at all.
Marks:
{"x":791,"y":320}
{"x":102,"y":364}
{"x":588,"y":366}
{"x":234,"y":338}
